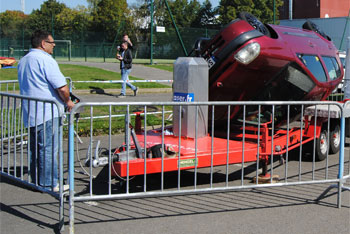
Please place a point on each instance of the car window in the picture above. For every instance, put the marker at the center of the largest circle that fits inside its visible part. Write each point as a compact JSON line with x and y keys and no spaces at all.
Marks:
{"x":332,"y":67}
{"x":312,"y":62}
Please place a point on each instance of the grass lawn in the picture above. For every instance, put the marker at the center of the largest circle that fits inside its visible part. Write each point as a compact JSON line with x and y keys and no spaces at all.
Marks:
{"x":101,"y":125}
{"x":112,"y":60}
{"x":166,"y":67}
{"x":83,"y":73}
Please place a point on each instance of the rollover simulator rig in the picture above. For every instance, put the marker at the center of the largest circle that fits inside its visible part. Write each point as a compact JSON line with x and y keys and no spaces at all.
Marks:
{"x":247,"y":62}
{"x":192,"y":142}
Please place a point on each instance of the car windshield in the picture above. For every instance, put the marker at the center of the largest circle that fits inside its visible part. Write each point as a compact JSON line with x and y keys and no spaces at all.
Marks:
{"x":291,"y":84}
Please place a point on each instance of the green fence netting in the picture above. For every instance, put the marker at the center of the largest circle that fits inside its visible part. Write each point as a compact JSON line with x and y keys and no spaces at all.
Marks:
{"x":80,"y":46}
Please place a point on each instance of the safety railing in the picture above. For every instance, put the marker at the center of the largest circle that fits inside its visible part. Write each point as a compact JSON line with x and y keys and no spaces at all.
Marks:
{"x":11,"y":86}
{"x":29,"y":155}
{"x":347,"y":132}
{"x":270,"y":143}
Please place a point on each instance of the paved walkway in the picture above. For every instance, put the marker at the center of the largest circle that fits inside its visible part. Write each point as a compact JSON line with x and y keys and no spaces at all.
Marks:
{"x":139,"y":71}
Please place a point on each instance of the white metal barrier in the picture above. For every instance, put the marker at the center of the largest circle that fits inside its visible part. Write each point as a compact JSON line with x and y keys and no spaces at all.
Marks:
{"x":258,"y":134}
{"x":297,"y":172}
{"x":18,"y":144}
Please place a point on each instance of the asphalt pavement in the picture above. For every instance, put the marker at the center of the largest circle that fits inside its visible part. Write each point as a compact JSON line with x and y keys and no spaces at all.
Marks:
{"x":290,"y":209}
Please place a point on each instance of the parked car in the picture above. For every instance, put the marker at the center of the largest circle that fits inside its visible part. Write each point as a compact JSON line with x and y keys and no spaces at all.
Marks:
{"x":252,"y":61}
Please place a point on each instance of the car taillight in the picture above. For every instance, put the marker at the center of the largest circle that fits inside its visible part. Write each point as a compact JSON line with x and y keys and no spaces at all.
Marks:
{"x":248,"y":53}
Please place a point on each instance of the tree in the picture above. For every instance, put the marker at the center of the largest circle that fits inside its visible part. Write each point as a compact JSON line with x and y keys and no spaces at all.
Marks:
{"x":45,"y":18}
{"x":206,"y":16}
{"x":12,"y":24}
{"x":93,"y":5}
{"x":184,"y":13}
{"x":262,"y":9}
{"x":73,"y":22}
{"x":110,"y":16}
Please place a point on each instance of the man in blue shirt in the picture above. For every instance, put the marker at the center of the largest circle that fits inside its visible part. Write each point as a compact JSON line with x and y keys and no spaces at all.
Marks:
{"x":39,"y":76}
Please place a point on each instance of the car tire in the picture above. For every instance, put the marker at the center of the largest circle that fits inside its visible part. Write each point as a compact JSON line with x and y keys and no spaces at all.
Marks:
{"x":334,"y":141}
{"x":254,"y":22}
{"x":309,"y":25}
{"x":322,"y":146}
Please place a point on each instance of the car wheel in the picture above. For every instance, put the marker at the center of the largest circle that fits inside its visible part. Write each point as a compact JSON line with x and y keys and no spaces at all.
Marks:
{"x":322,"y":146}
{"x":334,"y":142}
{"x":309,"y":25}
{"x":253,"y":21}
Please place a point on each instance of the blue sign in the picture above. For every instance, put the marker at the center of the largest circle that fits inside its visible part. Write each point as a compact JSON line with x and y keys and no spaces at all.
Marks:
{"x":183,"y":97}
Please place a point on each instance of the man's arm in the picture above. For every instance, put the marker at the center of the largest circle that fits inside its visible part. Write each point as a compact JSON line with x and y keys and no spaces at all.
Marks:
{"x":64,"y":94}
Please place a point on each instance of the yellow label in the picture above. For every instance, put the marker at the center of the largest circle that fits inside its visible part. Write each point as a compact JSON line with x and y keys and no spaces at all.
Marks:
{"x":188,"y":163}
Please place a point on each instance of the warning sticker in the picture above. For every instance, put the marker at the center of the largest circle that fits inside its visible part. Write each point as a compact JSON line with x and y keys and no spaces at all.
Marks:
{"x":188,"y":163}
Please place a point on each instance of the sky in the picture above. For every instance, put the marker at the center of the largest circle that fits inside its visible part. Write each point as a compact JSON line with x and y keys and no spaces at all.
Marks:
{"x":35,"y":4}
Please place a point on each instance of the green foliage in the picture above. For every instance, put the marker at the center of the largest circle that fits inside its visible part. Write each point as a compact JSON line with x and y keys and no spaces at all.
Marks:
{"x":262,"y":9}
{"x":72,"y":20}
{"x":46,"y":17}
{"x":166,"y":67}
{"x":184,"y":13}
{"x":206,"y":16}
{"x":101,"y":125}
{"x":95,"y":31}
{"x":109,"y":16}
{"x":11,"y":24}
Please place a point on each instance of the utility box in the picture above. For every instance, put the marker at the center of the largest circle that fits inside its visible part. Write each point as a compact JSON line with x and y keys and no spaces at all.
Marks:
{"x":191,"y":76}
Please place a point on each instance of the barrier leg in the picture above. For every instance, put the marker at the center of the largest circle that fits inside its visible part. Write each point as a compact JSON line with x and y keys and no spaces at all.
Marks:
{"x":71,"y":176}
{"x":341,"y":178}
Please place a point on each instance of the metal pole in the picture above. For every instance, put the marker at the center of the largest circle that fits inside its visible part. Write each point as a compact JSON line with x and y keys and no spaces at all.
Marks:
{"x":85,"y":53}
{"x":341,"y":159}
{"x":274,"y":11}
{"x":346,"y":24}
{"x":151,"y":32}
{"x":70,"y":50}
{"x":290,"y":9}
{"x":176,"y":29}
{"x":347,"y":72}
{"x":52,"y":25}
{"x":71,"y":173}
{"x":22,"y":40}
{"x":103,"y":52}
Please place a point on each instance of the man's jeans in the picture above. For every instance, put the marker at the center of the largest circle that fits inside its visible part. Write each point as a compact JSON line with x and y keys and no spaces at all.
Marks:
{"x":44,"y":162}
{"x":125,"y":77}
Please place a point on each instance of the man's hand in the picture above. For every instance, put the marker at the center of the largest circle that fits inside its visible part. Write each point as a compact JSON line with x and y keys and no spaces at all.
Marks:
{"x":64,"y":94}
{"x":128,"y":40}
{"x":70,"y":105}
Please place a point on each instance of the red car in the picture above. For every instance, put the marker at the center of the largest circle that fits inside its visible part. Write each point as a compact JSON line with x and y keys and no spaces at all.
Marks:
{"x":252,"y":61}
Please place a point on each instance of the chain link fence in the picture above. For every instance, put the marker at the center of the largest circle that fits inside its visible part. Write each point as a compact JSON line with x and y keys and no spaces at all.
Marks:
{"x":84,"y":46}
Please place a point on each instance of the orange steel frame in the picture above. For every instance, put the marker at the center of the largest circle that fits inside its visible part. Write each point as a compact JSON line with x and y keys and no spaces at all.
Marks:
{"x":205,"y":157}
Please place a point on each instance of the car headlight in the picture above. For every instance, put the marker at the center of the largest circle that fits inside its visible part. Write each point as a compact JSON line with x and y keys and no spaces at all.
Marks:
{"x":248,"y":53}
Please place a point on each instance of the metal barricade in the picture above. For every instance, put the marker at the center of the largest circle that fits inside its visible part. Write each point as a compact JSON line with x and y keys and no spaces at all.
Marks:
{"x":269,"y":138}
{"x":9,"y":86}
{"x":18,"y":144}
